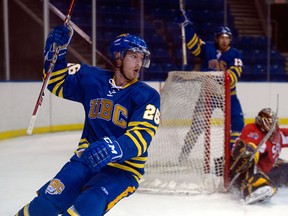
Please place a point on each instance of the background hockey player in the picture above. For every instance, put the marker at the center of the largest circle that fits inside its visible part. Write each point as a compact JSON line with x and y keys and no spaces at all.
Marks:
{"x":217,"y":56}
{"x":121,"y":119}
{"x":260,"y":177}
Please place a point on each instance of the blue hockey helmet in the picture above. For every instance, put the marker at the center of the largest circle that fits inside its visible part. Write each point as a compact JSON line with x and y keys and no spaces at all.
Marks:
{"x":223,"y":30}
{"x":125,"y":42}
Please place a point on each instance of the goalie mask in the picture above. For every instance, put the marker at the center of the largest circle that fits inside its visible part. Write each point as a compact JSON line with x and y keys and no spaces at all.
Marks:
{"x":264,"y":120}
{"x":125,"y":42}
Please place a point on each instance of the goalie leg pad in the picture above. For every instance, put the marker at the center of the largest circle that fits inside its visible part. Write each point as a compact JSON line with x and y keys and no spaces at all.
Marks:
{"x":262,"y":194}
{"x":257,"y":188}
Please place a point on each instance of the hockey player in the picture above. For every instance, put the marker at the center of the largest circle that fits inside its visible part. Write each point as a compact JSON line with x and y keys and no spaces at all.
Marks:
{"x":121,"y":119}
{"x":260,"y":177}
{"x":217,"y":56}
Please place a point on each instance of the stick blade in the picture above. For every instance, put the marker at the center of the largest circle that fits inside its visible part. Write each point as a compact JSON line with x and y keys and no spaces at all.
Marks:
{"x":31,"y":125}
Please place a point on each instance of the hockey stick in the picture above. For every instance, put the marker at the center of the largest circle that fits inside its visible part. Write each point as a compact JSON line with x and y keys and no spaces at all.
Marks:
{"x":183,"y":39}
{"x":266,"y":137}
{"x":48,"y":74}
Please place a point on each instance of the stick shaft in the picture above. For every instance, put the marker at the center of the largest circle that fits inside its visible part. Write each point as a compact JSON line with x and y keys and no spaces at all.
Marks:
{"x":47,"y":77}
{"x":183,"y":38}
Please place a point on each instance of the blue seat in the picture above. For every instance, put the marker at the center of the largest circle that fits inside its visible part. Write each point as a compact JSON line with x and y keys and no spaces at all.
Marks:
{"x":247,"y":69}
{"x":155,"y":40}
{"x":260,"y":56}
{"x":154,"y":72}
{"x":259,"y":69}
{"x":248,"y":57}
{"x":277,"y":69}
{"x":154,"y":68}
{"x":246,"y":43}
{"x":261,"y":42}
{"x":160,"y":55}
{"x":114,"y":18}
{"x":276,"y":57}
{"x":259,"y":73}
{"x":167,"y":67}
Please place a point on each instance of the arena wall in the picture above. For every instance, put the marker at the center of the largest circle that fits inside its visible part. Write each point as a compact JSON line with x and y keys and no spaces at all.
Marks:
{"x":18,"y":100}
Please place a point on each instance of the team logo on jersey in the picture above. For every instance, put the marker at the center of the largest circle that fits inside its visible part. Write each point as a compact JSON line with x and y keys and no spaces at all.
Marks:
{"x":55,"y":187}
{"x":102,"y":108}
{"x":110,"y":94}
{"x":253,"y":135}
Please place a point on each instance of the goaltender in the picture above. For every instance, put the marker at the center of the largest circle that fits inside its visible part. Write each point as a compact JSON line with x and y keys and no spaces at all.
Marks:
{"x":259,"y":178}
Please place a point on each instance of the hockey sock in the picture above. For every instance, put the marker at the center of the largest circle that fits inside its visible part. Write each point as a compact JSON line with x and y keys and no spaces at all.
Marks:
{"x":39,"y":206}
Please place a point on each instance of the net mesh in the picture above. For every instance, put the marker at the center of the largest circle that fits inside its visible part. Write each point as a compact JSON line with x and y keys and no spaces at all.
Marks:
{"x":187,"y":153}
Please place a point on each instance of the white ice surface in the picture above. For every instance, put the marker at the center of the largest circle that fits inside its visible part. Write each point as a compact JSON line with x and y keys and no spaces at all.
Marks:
{"x":28,"y":162}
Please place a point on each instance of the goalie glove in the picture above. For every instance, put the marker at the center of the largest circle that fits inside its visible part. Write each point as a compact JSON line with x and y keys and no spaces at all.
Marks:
{"x":59,"y":36}
{"x":241,"y":155}
{"x":100,"y":153}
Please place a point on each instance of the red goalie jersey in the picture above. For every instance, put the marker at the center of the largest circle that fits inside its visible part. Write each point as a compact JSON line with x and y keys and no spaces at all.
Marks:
{"x":270,"y":151}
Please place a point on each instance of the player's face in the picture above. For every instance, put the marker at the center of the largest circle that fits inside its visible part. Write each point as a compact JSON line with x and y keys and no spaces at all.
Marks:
{"x":223,"y":42}
{"x":132,"y":63}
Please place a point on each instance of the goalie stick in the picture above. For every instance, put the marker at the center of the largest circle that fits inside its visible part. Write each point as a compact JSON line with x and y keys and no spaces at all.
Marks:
{"x":48,"y":74}
{"x":266,"y":137}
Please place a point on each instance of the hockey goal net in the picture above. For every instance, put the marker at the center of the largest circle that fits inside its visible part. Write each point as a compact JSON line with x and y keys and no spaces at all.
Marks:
{"x":190,"y":152}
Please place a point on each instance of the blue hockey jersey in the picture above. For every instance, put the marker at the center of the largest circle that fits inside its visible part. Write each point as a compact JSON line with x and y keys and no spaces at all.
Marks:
{"x":130,"y":113}
{"x":213,"y":59}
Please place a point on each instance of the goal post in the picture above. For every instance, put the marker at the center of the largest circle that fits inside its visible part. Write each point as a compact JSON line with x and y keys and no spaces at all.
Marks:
{"x":190,"y":152}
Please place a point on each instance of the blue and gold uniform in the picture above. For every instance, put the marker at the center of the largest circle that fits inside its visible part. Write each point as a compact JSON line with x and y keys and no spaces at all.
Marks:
{"x":128,"y":113}
{"x":120,"y":123}
{"x":229,"y":60}
{"x":216,"y":56}
{"x":214,"y":59}
{"x":125,"y":113}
